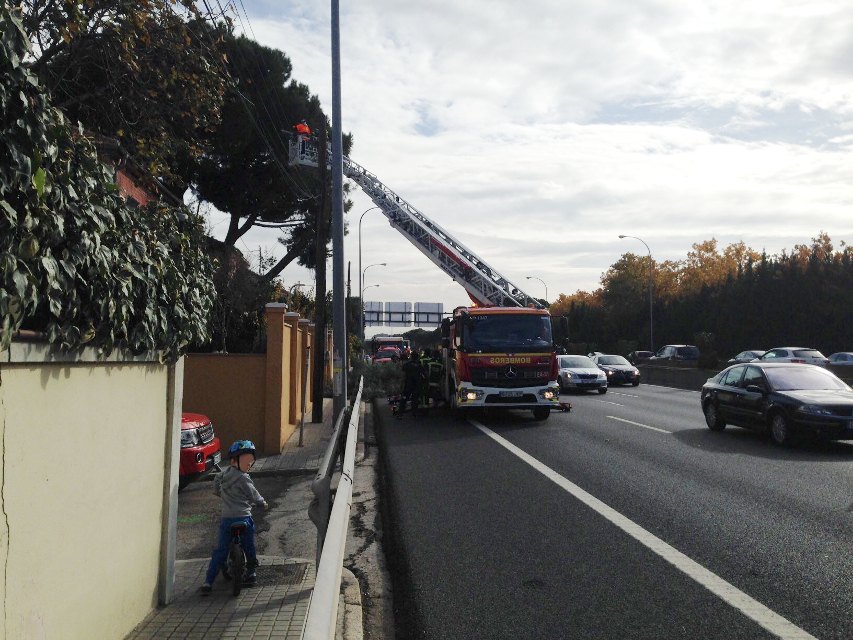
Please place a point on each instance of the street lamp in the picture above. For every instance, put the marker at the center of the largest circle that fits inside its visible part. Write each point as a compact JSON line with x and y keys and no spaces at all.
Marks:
{"x":651,"y":307}
{"x":543,"y":282}
{"x":362,"y":314}
{"x":290,"y":293}
{"x":360,"y":288}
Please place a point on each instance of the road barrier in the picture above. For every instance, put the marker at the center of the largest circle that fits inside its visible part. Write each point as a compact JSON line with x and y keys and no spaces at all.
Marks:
{"x":320,"y":623}
{"x":689,"y":376}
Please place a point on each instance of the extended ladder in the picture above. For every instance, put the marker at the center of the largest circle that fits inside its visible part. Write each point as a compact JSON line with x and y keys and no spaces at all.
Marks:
{"x":483,"y":283}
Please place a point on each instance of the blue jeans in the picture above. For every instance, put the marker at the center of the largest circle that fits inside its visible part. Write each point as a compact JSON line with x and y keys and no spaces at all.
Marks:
{"x":220,"y":554}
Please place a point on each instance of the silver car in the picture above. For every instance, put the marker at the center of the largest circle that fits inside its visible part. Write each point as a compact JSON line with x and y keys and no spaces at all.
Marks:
{"x":844,"y":358}
{"x":803,"y":355}
{"x":579,"y":372}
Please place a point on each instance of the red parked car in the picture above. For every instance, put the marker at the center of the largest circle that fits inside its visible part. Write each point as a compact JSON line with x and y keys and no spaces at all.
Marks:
{"x":199,"y":447}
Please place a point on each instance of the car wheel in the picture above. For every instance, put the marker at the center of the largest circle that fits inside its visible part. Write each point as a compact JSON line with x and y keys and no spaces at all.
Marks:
{"x":635,"y":383}
{"x":712,"y":417}
{"x":560,"y":384}
{"x":603,"y":390}
{"x":780,"y":430}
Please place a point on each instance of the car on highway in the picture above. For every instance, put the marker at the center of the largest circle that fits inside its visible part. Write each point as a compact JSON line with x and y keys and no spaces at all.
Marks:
{"x":676,"y":352}
{"x":801,"y":355}
{"x":639,"y":356}
{"x":579,"y":372}
{"x":783,"y":399}
{"x":843,"y":358}
{"x":618,"y":369}
{"x":747,"y":356}
{"x":200,"y":451}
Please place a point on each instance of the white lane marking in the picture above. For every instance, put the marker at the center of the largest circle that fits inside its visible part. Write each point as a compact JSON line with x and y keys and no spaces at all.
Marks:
{"x":765,"y":617}
{"x":639,"y":424}
{"x":660,"y":386}
{"x":627,"y":395}
{"x":608,"y":402}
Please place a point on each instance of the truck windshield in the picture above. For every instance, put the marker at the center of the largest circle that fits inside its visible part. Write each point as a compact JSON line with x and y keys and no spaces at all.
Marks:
{"x":521,"y":332}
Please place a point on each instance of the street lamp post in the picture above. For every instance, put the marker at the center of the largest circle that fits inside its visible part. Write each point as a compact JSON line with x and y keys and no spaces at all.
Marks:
{"x":360,"y":288}
{"x":651,"y":306}
{"x":363,"y":289}
{"x":543,"y":283}
{"x":362,"y":314}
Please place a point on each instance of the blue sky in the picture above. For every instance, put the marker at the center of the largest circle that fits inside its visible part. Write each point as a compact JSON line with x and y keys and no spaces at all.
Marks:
{"x":537,"y":136}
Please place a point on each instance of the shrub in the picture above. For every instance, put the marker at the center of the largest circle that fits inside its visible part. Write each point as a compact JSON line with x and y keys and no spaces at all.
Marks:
{"x":381,"y":379}
{"x":76,"y":260}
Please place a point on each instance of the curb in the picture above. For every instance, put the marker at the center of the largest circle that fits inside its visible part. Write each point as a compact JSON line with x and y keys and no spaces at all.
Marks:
{"x":350,"y":625}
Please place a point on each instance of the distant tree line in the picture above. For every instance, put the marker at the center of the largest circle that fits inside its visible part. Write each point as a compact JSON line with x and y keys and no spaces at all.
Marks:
{"x":731,"y":301}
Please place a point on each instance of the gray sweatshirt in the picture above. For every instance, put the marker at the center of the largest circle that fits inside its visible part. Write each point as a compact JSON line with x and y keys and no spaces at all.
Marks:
{"x":238,"y":493}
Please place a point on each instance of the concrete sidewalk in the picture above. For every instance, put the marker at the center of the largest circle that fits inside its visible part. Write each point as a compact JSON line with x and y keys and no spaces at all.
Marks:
{"x":277,"y":606}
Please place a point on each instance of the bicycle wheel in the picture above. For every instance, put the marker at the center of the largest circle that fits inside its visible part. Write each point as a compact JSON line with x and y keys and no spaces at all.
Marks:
{"x":238,"y":564}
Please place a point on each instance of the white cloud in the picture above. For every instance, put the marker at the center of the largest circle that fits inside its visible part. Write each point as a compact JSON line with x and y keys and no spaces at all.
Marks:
{"x":537,"y":133}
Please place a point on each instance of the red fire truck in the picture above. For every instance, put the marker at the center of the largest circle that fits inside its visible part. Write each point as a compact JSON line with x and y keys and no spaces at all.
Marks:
{"x":500,"y":357}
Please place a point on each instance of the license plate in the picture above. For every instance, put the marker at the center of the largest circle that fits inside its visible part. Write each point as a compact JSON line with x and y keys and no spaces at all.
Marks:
{"x":217,"y":457}
{"x":511,"y":394}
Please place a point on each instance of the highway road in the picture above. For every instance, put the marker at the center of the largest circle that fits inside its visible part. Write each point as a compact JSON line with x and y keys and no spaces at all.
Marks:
{"x":626,"y":518}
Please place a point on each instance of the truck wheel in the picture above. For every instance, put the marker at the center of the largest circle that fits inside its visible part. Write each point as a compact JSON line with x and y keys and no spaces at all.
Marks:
{"x":541,"y":413}
{"x":455,"y":411}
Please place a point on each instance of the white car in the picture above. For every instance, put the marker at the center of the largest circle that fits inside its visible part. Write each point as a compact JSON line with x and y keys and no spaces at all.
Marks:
{"x":842,"y":357}
{"x":802,"y":355}
{"x":579,"y":372}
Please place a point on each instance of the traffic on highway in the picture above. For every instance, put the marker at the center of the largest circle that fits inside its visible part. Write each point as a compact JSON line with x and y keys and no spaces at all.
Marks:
{"x":626,"y":518}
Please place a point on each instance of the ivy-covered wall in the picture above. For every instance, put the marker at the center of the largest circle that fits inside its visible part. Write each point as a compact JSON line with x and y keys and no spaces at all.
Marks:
{"x":77,"y":261}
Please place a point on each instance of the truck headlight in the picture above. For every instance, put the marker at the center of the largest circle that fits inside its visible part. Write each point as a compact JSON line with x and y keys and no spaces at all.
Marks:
{"x":470,"y":395}
{"x":552,"y":393}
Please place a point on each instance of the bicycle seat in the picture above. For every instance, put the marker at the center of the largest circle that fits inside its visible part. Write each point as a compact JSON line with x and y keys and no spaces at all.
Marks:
{"x":238,"y":528}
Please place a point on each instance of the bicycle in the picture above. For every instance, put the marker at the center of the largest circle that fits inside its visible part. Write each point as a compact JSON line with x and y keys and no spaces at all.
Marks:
{"x":235,"y":563}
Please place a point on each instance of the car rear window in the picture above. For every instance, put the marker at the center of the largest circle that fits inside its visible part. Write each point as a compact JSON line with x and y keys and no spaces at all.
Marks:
{"x":807,"y":353}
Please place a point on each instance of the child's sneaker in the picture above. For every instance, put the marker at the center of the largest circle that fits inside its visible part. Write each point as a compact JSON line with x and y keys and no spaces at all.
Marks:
{"x":250,"y":579}
{"x":206,"y":589}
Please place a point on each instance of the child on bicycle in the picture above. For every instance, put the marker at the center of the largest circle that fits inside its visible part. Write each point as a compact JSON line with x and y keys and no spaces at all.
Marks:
{"x":238,"y":494}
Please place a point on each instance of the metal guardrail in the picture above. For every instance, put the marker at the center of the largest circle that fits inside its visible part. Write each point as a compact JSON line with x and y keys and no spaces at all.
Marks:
{"x":321,"y":621}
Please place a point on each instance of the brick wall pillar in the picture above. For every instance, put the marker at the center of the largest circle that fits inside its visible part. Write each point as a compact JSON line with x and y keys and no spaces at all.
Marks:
{"x":292,"y":320}
{"x":276,"y":379}
{"x":304,"y":341}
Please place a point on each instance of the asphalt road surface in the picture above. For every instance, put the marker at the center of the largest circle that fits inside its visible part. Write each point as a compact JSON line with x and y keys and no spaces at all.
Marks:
{"x":627,"y":518}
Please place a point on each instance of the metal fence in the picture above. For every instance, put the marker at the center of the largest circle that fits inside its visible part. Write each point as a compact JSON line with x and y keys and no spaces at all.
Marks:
{"x":332,"y":524}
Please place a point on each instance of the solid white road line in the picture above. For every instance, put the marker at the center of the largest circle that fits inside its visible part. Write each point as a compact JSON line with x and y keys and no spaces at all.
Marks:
{"x":770,"y":620}
{"x":660,"y":386}
{"x":639,"y":424}
{"x":608,"y":402}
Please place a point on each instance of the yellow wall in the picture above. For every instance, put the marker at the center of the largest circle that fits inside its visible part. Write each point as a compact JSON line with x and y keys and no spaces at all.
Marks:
{"x":230,"y":389}
{"x":83,"y":496}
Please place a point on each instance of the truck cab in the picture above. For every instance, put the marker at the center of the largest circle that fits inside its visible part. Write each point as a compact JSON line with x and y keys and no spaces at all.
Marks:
{"x":500,"y":357}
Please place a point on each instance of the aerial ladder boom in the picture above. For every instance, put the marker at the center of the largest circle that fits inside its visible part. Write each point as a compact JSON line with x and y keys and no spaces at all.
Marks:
{"x":484,"y":284}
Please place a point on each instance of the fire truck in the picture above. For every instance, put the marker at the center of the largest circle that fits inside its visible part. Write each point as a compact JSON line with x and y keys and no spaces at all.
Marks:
{"x":499,"y":352}
{"x":499,"y":357}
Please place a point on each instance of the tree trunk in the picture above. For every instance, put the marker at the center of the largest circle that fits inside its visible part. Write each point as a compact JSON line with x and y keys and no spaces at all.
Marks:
{"x":318,"y":379}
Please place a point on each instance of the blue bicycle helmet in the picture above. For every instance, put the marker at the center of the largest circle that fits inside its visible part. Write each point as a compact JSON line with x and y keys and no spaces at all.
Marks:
{"x":240,"y":447}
